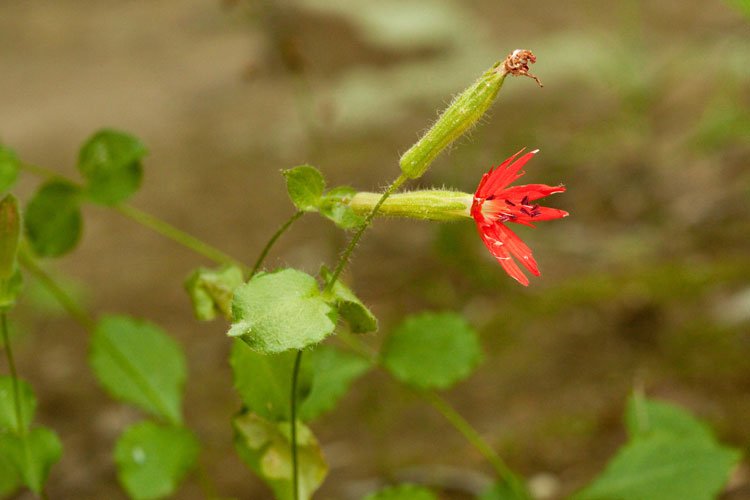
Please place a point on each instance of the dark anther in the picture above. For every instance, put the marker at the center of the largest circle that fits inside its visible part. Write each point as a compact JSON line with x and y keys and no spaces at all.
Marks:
{"x":525,"y":200}
{"x":490,"y":197}
{"x":508,"y":202}
{"x":526,"y":212}
{"x":535,"y":207}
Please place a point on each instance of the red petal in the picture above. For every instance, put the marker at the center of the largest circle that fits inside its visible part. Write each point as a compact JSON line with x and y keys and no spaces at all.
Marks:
{"x":546,"y":213}
{"x":533,"y":191}
{"x":492,"y":240}
{"x":518,"y":248}
{"x":480,"y":192}
{"x":505,"y":174}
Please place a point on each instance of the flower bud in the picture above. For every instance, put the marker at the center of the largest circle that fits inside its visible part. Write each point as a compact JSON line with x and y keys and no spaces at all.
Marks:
{"x":463,"y":112}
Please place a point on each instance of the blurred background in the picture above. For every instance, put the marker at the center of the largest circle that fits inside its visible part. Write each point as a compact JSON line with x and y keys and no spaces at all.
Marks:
{"x":644,"y":116}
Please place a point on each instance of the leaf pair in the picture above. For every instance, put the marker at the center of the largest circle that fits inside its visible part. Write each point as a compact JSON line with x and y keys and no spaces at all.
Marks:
{"x":110,"y":163}
{"x":306,"y":187}
{"x":284,"y":310}
{"x":140,"y":364}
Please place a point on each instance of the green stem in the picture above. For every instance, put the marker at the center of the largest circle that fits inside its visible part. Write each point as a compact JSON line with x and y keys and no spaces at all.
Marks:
{"x":473,"y":437}
{"x":13,"y":374}
{"x":181,"y":237}
{"x":158,"y":225}
{"x":293,"y":403}
{"x":355,"y":239}
{"x":70,"y":305}
{"x":451,"y":415}
{"x":273,"y":239}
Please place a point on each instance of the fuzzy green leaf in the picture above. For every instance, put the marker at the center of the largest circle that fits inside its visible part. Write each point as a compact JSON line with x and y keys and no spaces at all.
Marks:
{"x":335,"y":206}
{"x":264,"y":382}
{"x":211,"y":291}
{"x":432,"y":350}
{"x":110,"y":161}
{"x":282,"y":310}
{"x":9,"y":166}
{"x":359,"y":317}
{"x":152,"y":459}
{"x":10,"y":480}
{"x":53,"y":219}
{"x":402,"y":492}
{"x":32,"y":455}
{"x":8,"y":420}
{"x":305,"y":185}
{"x":138,"y":363}
{"x":265,"y":447}
{"x":333,"y":371}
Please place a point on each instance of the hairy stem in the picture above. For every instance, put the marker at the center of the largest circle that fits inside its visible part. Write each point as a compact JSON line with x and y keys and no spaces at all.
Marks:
{"x":273,"y":239}
{"x":355,"y":239}
{"x":293,"y":404}
{"x":181,"y":237}
{"x":148,"y":220}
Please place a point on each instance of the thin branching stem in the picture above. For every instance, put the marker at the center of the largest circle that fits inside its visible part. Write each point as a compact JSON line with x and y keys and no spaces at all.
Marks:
{"x":449,"y":413}
{"x":273,"y":239}
{"x":293,"y":404}
{"x":165,"y":229}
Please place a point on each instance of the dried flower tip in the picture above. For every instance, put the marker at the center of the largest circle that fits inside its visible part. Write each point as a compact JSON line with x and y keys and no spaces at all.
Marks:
{"x":517,"y":63}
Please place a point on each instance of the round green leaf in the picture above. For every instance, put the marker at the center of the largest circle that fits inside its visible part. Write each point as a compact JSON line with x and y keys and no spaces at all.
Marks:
{"x":137,"y":362}
{"x":53,"y":219}
{"x":402,"y":492}
{"x":265,"y":447}
{"x":335,"y":206}
{"x":282,"y":310}
{"x":8,"y":419}
{"x":110,"y":163}
{"x":305,"y":186}
{"x":153,"y":459}
{"x":9,"y":166}
{"x":432,"y":350}
{"x":32,"y":455}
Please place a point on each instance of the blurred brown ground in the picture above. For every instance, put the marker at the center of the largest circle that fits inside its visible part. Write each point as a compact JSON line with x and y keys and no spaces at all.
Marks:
{"x":644,"y":116}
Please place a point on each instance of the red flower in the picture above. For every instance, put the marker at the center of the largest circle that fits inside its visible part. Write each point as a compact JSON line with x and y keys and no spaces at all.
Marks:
{"x":495,"y":203}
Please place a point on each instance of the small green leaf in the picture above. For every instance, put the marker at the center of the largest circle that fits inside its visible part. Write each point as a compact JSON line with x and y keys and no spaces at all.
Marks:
{"x":402,"y":492}
{"x":53,"y":219}
{"x":264,"y":382}
{"x":9,"y":166}
{"x":333,"y":371}
{"x":8,"y":420}
{"x":359,"y":317}
{"x":265,"y":447}
{"x":335,"y":206}
{"x":432,"y":350}
{"x":152,"y":459}
{"x":10,"y":235}
{"x":305,"y":185}
{"x":138,"y":363}
{"x":648,"y":417}
{"x":110,"y":161}
{"x":32,"y":455}
{"x":282,"y":310}
{"x":664,"y":468}
{"x":211,"y":291}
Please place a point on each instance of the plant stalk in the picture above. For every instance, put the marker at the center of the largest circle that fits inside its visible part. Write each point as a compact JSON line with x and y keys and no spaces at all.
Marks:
{"x":273,"y":239}
{"x":293,"y":404}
